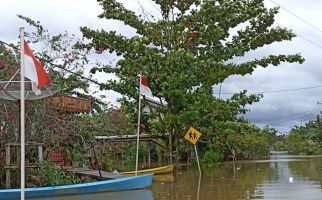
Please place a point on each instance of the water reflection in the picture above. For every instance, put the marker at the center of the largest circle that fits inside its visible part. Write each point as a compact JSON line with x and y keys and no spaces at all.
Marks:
{"x":265,"y":179}
{"x":121,"y":195}
{"x":164,"y":177}
{"x":293,"y":180}
{"x":198,"y":191}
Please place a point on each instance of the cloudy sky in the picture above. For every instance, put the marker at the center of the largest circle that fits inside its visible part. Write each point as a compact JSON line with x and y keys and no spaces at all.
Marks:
{"x":291,"y":91}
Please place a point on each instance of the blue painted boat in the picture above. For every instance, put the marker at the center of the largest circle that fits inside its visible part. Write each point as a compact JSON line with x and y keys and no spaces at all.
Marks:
{"x":127,"y":183}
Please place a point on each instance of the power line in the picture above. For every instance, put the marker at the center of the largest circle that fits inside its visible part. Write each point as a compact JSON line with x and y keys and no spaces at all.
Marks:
{"x":298,"y":17}
{"x":294,"y":89}
{"x":157,"y":9}
{"x":145,"y":13}
{"x":310,"y":41}
{"x":304,"y":38}
{"x":305,"y":118}
{"x":303,"y":20}
{"x":276,"y":91}
{"x":308,"y":111}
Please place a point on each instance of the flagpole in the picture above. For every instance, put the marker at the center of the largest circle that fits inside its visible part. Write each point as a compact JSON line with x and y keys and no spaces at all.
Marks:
{"x":138,"y":132}
{"x":22,"y":116}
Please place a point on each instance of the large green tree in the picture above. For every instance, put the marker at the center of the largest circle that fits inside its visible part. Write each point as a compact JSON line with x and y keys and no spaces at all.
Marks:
{"x":185,"y":53}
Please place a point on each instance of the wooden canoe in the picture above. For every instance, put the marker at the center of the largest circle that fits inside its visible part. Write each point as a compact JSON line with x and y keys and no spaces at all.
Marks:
{"x":127,"y":183}
{"x":158,"y":170}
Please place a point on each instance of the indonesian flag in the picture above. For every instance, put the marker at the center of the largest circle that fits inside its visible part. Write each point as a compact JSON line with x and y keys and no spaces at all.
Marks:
{"x":34,"y":70}
{"x":144,"y":87}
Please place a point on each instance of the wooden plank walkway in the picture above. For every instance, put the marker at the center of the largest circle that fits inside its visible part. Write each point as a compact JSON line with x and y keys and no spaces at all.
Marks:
{"x":95,"y":173}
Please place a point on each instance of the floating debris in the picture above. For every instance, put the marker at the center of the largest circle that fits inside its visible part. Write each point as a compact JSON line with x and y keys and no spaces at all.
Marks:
{"x":290,"y":180}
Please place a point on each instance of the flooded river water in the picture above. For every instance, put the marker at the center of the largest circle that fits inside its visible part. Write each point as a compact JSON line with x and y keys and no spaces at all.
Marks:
{"x":280,"y":177}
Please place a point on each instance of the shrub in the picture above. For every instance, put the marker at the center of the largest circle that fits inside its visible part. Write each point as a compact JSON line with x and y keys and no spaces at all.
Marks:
{"x":107,"y":162}
{"x":211,"y":158}
{"x":49,"y":175}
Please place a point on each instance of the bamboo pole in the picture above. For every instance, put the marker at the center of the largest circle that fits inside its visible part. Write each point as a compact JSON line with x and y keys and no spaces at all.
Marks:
{"x":138,"y":130}
{"x":22,"y":117}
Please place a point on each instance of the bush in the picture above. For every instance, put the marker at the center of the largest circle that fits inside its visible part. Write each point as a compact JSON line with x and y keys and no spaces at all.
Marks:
{"x":211,"y":158}
{"x":280,"y":146}
{"x":76,"y":155}
{"x":107,"y":162}
{"x":49,"y":175}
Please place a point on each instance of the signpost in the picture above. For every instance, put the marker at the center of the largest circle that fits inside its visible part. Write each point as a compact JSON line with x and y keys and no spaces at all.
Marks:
{"x":193,"y":136}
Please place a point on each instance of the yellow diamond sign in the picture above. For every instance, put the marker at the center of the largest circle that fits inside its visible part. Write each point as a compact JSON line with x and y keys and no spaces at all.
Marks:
{"x":192,"y":135}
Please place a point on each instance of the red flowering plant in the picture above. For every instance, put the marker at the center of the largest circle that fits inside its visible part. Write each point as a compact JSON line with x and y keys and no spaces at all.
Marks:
{"x":8,"y":62}
{"x":45,"y":123}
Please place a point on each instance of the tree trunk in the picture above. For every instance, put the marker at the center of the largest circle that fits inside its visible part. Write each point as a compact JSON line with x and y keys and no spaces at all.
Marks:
{"x":170,"y":148}
{"x":176,"y":139}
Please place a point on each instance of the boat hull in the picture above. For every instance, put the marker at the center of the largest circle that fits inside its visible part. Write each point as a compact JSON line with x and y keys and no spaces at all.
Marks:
{"x":127,"y":183}
{"x":159,"y":170}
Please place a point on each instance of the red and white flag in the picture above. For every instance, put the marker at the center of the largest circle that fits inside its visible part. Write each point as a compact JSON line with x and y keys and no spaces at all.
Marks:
{"x":34,"y":70}
{"x":144,"y":87}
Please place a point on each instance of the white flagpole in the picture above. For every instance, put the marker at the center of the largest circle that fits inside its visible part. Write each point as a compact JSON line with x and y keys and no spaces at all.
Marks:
{"x":138,"y":133}
{"x":22,"y":117}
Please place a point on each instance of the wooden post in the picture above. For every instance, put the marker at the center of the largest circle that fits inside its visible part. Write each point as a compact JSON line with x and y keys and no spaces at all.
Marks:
{"x":18,"y":154}
{"x":98,"y":164}
{"x":40,"y":152}
{"x":8,"y":184}
{"x":149,"y":155}
{"x":177,"y":147}
{"x":18,"y":149}
{"x":170,"y":149}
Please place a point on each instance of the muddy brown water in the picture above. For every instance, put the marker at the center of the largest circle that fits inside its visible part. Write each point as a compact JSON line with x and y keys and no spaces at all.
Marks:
{"x":280,"y":177}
